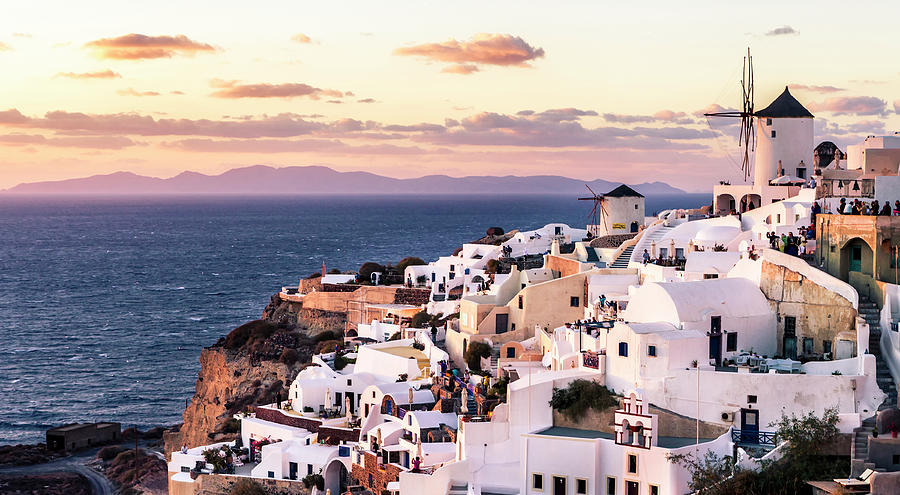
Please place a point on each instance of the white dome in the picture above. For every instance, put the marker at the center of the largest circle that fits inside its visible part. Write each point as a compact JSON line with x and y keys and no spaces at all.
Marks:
{"x":717,"y":233}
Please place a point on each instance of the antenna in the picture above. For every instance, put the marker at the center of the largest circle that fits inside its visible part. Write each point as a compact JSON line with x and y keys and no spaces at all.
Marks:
{"x":747,"y":137}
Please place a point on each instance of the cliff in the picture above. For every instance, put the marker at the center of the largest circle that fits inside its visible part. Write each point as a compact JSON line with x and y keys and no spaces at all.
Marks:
{"x":252,"y":365}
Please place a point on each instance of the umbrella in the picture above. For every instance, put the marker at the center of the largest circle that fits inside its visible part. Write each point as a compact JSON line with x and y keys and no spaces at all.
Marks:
{"x":419,"y":447}
{"x":327,"y":397}
{"x":784,"y":180}
{"x":671,"y":248}
{"x":465,"y":401}
{"x":347,"y":406}
{"x":653,"y":249}
{"x":410,"y":395}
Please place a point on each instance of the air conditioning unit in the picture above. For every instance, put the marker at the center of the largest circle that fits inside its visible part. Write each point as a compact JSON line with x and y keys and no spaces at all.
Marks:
{"x":728,"y":416}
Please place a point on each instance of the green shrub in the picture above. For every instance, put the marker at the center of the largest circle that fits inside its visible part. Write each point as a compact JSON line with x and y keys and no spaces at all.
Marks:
{"x":326,"y":335}
{"x":366,"y":270}
{"x":314,"y":479}
{"x":581,"y":395}
{"x":231,"y":425}
{"x":340,"y":362}
{"x":418,"y":345}
{"x":421,"y":319}
{"x":396,"y":336}
{"x":109,"y":453}
{"x":249,"y":334}
{"x":327,"y":346}
{"x":474,"y":353}
{"x":492,"y":266}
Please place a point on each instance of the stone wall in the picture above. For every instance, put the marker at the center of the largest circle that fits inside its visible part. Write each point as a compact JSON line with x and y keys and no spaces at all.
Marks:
{"x":380,"y":475}
{"x":670,"y":423}
{"x":820,"y":313}
{"x":217,"y":484}
{"x":329,"y":434}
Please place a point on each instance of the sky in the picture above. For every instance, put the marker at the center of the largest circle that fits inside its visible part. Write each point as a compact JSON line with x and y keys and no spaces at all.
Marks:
{"x":584,"y":89}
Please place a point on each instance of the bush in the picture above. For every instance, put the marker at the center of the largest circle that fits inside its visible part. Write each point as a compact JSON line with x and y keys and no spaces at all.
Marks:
{"x":409,"y":261}
{"x":289,"y":356}
{"x":340,"y":362}
{"x":421,"y":319}
{"x":402,"y":378}
{"x":396,"y":336}
{"x":492,"y":266}
{"x":326,"y":335}
{"x":327,"y":346}
{"x":418,"y":345}
{"x":474,"y":353}
{"x":314,"y":275}
{"x":307,"y":409}
{"x":366,"y":270}
{"x":110,"y":453}
{"x":581,"y":395}
{"x":495,"y":231}
{"x":246,"y":486}
{"x":316,"y":480}
{"x":249,"y":334}
{"x":231,"y":425}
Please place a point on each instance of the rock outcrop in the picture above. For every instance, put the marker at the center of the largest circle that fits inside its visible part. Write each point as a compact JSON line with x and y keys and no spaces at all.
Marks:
{"x":253,"y":365}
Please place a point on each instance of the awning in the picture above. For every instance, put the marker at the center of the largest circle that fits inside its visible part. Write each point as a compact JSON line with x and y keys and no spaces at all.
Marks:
{"x":393,"y":448}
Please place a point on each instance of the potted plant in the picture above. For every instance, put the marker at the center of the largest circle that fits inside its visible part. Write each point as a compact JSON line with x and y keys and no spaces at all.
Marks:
{"x":875,"y":432}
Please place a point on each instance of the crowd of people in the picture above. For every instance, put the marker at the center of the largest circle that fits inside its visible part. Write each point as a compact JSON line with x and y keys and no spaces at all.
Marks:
{"x":789,"y":243}
{"x":857,"y":207}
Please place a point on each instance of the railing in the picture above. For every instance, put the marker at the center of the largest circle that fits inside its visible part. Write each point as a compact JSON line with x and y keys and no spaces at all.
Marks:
{"x":752,"y":437}
{"x":590,"y":359}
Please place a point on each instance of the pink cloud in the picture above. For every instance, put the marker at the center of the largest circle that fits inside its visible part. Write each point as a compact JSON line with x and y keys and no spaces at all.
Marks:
{"x":94,"y":142}
{"x":104,"y":74}
{"x":463,"y":69}
{"x":232,"y":89}
{"x":301,"y":38}
{"x":133,"y":92}
{"x":816,"y":89}
{"x":139,"y":46}
{"x":859,"y":105}
{"x":484,"y":49}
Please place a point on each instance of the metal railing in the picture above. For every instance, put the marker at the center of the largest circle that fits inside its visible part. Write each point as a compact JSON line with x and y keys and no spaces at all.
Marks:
{"x":754,"y":437}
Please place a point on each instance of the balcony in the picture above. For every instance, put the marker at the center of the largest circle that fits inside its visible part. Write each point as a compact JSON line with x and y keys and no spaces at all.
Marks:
{"x":845,"y":188}
{"x":754,"y":438}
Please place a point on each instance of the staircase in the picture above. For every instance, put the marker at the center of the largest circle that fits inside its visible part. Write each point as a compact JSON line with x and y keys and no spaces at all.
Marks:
{"x":869,"y":311}
{"x":495,"y":357}
{"x":655,"y":234}
{"x":455,"y":489}
{"x":624,"y":257}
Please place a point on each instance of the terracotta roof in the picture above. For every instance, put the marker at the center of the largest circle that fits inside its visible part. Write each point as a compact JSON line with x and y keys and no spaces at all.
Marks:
{"x":785,"y":106}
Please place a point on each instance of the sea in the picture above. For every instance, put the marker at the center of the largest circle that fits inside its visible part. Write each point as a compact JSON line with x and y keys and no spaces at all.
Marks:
{"x":106,"y":302}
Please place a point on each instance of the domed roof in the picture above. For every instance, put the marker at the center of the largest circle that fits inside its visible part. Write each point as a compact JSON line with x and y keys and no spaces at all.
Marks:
{"x":785,"y":106}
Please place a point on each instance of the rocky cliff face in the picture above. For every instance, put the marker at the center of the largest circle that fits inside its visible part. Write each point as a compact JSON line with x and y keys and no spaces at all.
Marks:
{"x":251,"y":366}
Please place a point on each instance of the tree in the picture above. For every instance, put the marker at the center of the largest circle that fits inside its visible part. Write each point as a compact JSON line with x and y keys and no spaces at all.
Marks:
{"x":409,"y":261}
{"x":707,"y":472}
{"x":492,"y":266}
{"x":807,"y":434}
{"x":581,"y":395}
{"x":367,"y":269}
{"x":474,"y":353}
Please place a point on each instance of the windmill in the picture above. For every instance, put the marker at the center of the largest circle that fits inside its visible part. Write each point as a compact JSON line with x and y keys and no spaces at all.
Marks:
{"x":747,"y":138}
{"x":598,"y":212}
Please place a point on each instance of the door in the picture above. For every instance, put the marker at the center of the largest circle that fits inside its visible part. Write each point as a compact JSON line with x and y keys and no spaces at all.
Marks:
{"x":749,"y":426}
{"x":502,"y":322}
{"x":715,"y":339}
{"x":632,"y":488}
{"x":844,"y":349}
{"x":559,"y":485}
{"x":634,"y":226}
{"x":292,"y":467}
{"x":790,"y":337}
{"x":856,"y":259}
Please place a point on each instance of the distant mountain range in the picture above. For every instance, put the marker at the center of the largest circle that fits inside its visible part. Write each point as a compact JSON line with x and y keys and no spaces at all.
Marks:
{"x":260,"y":179}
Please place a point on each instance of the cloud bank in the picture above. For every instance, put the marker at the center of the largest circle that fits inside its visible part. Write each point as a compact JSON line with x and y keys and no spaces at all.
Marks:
{"x":139,"y":46}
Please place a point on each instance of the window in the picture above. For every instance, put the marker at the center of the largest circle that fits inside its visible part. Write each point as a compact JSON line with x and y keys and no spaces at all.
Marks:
{"x":773,"y":134}
{"x":521,"y":302}
{"x":751,"y":399}
{"x":715,"y":324}
{"x":826,"y":346}
{"x":623,"y":349}
{"x":731,"y":342}
{"x":651,"y":350}
{"x":807,"y":345}
{"x":581,"y":486}
{"x":610,"y":485}
{"x":271,"y":474}
{"x":537,"y":481}
{"x":309,"y":469}
{"x":663,"y":253}
{"x":559,"y":484}
{"x":654,"y":490}
{"x":768,"y":121}
{"x":573,"y":301}
{"x":856,"y":259}
{"x":187,"y":469}
{"x":632,"y":463}
{"x":679,"y":253}
{"x":707,"y":276}
{"x":510,"y":352}
{"x":801,"y":173}
{"x":635,"y":207}
{"x":452,"y":275}
{"x":895,"y":459}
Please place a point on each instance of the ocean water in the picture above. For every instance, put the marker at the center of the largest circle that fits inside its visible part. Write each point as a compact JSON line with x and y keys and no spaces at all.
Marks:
{"x":105,"y":303}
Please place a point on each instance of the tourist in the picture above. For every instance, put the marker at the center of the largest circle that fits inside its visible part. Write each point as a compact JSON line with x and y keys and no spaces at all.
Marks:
{"x":842,"y":208}
{"x":875,"y":208}
{"x":848,"y":208}
{"x":886,"y":209}
{"x":646,"y":257}
{"x":896,"y":208}
{"x":184,"y":449}
{"x":602,"y":301}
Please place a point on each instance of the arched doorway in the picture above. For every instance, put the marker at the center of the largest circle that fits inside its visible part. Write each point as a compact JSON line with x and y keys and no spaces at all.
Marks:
{"x":634,"y":226}
{"x":724,"y":204}
{"x":856,"y":256}
{"x":336,"y":478}
{"x":750,"y":202}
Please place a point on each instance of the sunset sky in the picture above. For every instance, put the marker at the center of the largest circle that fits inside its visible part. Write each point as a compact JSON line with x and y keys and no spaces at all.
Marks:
{"x":585,"y":89}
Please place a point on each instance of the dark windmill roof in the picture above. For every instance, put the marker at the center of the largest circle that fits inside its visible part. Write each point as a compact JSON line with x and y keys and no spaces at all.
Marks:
{"x":785,"y":106}
{"x":624,"y":191}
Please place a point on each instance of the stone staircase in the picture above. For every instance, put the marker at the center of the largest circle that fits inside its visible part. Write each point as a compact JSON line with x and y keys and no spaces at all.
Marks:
{"x":868,"y":310}
{"x":654,"y":235}
{"x":624,"y":257}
